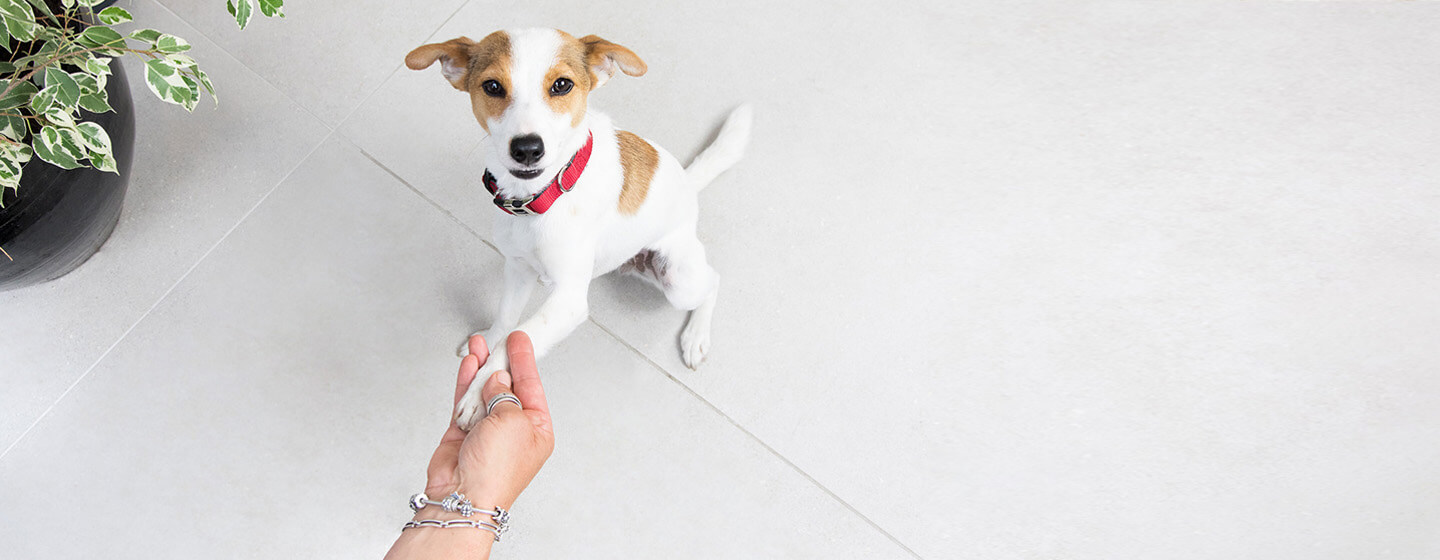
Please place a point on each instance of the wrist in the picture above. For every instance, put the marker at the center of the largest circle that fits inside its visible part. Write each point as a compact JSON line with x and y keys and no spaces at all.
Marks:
{"x":483,"y":494}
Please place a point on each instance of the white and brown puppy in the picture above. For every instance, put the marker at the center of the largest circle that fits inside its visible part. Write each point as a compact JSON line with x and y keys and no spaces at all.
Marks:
{"x":575,"y":197}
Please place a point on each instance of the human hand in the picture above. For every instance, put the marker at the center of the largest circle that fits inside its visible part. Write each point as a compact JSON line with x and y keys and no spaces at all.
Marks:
{"x":496,"y":460}
{"x":492,"y":463}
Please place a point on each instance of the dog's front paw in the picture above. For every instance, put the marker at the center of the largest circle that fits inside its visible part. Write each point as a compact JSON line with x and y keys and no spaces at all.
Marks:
{"x":694,"y":343}
{"x":469,"y":411}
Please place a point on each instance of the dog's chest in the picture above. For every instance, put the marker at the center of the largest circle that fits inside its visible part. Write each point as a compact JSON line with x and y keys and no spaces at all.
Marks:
{"x":521,"y":238}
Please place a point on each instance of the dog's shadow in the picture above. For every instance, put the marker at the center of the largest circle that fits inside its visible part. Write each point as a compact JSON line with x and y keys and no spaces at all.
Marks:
{"x":627,"y":291}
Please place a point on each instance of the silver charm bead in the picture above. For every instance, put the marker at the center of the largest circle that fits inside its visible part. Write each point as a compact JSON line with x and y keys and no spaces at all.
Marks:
{"x":456,"y":502}
{"x":419,"y":501}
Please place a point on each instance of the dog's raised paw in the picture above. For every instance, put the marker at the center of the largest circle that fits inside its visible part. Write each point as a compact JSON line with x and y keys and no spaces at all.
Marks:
{"x":469,"y":411}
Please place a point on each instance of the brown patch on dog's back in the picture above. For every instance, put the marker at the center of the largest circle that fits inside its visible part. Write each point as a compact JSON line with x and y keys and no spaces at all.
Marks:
{"x":639,"y":160}
{"x":489,"y":60}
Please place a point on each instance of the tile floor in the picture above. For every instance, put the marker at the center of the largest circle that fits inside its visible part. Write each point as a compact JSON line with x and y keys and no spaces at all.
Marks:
{"x":1002,"y":280}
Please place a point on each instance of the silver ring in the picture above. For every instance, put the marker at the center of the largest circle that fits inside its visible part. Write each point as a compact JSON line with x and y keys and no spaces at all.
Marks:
{"x":497,"y":399}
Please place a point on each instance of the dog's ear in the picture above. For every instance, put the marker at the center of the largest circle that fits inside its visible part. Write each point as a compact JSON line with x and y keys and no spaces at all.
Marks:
{"x":605,"y":58}
{"x":454,"y":57}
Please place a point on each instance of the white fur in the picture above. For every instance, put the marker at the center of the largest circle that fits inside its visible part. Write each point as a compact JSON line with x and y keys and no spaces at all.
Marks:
{"x":584,"y":235}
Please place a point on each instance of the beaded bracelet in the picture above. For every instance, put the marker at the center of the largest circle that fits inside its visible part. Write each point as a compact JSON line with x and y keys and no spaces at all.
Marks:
{"x":456,"y":503}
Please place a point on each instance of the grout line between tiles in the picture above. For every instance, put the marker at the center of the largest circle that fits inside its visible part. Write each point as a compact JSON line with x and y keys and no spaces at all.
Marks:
{"x":417,"y":192}
{"x":377,"y":89}
{"x":246,"y":66}
{"x":663,"y":371}
{"x":165,"y":295}
{"x":757,"y":439}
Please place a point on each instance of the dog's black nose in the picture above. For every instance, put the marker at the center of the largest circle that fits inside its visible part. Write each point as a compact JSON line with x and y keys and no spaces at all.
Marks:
{"x":527,"y":149}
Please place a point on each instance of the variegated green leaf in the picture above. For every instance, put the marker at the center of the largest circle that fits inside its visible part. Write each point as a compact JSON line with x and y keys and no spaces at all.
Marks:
{"x":147,"y":35}
{"x":17,"y":96}
{"x":99,"y":66}
{"x":12,"y":163}
{"x":21,"y":30}
{"x":181,"y":61}
{"x":272,"y":8}
{"x":103,"y":162}
{"x":13,"y":157}
{"x":16,"y":9}
{"x":114,"y":15}
{"x":167,"y":83}
{"x":193,"y":91}
{"x":94,"y":137}
{"x":13,"y":126}
{"x":59,"y":147}
{"x":43,"y":101}
{"x":168,"y":43}
{"x":19,"y":20}
{"x":97,"y":146}
{"x":68,"y":90}
{"x":10,"y":167}
{"x":102,"y":37}
{"x":205,"y":83}
{"x":16,"y":152}
{"x":88,"y":83}
{"x":60,"y":117}
{"x":241,"y":9}
{"x":96,"y":102}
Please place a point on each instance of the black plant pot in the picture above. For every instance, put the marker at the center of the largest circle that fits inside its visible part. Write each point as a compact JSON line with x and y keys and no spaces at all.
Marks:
{"x":59,"y":217}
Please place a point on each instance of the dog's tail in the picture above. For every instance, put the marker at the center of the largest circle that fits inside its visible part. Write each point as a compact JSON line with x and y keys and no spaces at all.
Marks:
{"x":725,"y":151}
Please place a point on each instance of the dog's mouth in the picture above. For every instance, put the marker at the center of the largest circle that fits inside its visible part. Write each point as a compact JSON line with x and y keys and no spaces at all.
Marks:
{"x":527,"y":174}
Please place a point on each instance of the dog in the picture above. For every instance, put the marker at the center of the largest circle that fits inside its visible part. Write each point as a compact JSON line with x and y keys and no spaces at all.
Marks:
{"x":576,"y":198}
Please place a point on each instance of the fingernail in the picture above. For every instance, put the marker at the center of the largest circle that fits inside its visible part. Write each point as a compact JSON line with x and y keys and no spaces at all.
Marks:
{"x":503,"y":377}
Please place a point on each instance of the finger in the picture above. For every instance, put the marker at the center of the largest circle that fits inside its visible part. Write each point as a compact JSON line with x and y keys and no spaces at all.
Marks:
{"x":468,"y":368}
{"x":498,"y":383}
{"x":480,"y":347}
{"x":525,"y":377}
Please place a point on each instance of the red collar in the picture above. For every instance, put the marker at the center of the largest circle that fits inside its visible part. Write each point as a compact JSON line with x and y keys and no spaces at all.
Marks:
{"x":561,"y":184}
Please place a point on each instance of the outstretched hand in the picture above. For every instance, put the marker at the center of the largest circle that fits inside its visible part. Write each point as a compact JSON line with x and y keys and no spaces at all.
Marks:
{"x":496,"y":460}
{"x":492,"y":463}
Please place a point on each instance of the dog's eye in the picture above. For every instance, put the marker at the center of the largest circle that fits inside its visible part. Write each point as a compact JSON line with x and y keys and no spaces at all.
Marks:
{"x":493,"y":88}
{"x":561,"y":87}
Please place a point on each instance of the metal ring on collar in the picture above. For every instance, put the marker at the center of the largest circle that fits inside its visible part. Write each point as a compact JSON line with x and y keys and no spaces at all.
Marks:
{"x":497,"y":399}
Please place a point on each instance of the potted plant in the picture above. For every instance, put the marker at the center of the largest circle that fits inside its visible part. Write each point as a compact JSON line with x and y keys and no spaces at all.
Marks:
{"x":67,"y":128}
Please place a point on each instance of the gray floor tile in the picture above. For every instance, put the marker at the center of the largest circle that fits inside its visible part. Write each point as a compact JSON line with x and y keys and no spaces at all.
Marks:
{"x":283,"y":400}
{"x":193,"y":178}
{"x":328,"y":56}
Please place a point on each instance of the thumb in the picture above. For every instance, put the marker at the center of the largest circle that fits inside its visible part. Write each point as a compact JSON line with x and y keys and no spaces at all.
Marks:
{"x":498,"y":383}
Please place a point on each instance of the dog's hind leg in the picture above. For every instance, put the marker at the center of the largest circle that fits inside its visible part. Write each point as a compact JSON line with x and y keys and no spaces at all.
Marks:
{"x":678,"y":266}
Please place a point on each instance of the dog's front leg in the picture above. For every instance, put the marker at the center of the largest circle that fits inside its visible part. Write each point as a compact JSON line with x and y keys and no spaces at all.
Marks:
{"x":567,"y":307}
{"x":519,"y":284}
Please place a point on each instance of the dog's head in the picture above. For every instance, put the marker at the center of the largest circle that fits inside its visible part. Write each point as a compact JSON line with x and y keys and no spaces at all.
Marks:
{"x":528,"y":89}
